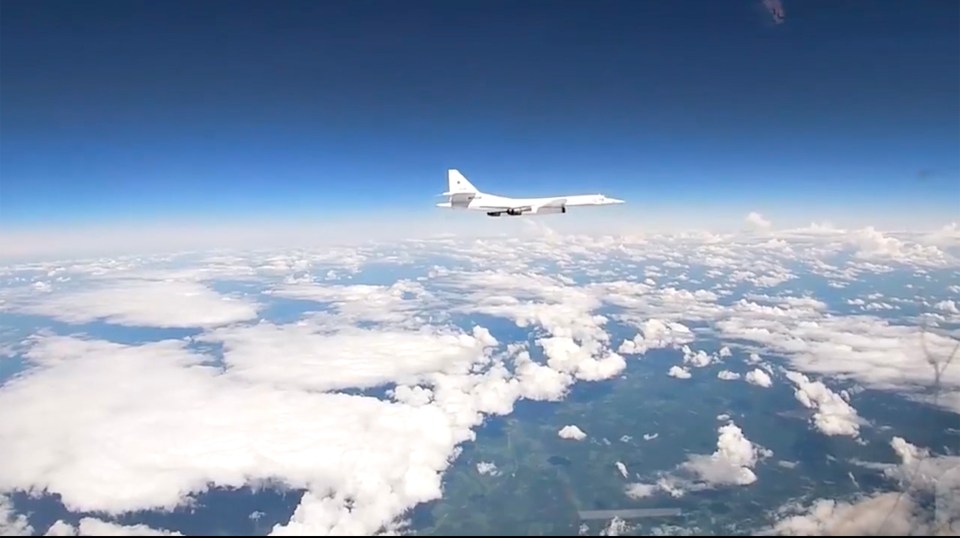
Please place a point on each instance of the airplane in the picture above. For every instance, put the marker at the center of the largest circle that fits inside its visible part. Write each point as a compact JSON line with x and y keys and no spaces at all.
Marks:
{"x":461,"y":194}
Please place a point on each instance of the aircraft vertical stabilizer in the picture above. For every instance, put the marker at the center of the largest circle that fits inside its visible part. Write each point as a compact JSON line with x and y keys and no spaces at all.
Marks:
{"x":457,"y":184}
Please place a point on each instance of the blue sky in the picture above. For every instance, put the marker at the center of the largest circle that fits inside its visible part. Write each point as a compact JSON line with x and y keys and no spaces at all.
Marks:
{"x":134,"y":111}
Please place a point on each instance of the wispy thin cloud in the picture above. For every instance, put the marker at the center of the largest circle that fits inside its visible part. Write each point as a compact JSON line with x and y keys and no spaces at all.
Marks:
{"x":775,"y":8}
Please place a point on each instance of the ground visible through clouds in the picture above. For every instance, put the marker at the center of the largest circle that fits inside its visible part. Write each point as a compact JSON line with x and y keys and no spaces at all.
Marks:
{"x":766,"y":382}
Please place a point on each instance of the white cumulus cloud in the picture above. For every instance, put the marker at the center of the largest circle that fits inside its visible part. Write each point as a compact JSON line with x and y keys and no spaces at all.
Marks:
{"x":949,"y":306}
{"x":699,"y":358}
{"x":758,"y":377}
{"x":571,"y":431}
{"x":832,"y":414}
{"x":622,"y":468}
{"x":733,"y":461}
{"x":655,"y":333}
{"x":638,"y":490}
{"x":727,"y":375}
{"x":115,"y":428}
{"x":487,"y":468}
{"x":757,"y":221}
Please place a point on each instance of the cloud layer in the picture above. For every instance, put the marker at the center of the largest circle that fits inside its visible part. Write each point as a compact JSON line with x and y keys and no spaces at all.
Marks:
{"x":364,"y":399}
{"x":147,"y":303}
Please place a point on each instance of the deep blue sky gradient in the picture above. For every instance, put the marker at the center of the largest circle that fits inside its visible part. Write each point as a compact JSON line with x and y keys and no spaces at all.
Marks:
{"x":118,"y":110}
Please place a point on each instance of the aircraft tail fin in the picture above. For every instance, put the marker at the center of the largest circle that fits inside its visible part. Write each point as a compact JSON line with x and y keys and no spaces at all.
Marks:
{"x":457,"y":184}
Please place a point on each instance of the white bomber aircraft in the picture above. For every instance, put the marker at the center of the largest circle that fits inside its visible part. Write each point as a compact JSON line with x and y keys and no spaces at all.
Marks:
{"x":461,"y":194}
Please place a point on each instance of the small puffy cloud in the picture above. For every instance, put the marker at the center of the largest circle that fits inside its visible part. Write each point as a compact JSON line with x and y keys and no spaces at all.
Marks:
{"x":699,"y":358}
{"x":415,"y":396}
{"x":43,"y":287}
{"x":622,"y":468}
{"x":678,"y":372}
{"x":570,"y":431}
{"x":832,"y":414}
{"x":756,"y":221}
{"x":672,"y":486}
{"x":487,"y":468}
{"x":758,"y":377}
{"x":639,"y":490}
{"x":733,"y":461}
{"x":654,"y":334}
{"x":616,"y":527}
{"x":727,"y":375}
{"x":949,"y":306}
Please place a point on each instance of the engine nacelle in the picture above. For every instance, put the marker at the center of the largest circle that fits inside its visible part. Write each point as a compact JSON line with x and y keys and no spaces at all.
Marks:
{"x":507,"y":212}
{"x":551,"y":209}
{"x":519,"y":211}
